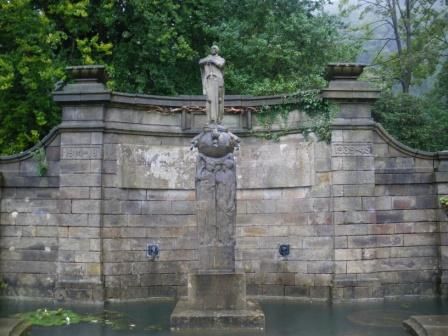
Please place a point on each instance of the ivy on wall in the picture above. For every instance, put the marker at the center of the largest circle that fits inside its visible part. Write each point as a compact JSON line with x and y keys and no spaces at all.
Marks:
{"x":310,"y":102}
{"x":40,"y":158}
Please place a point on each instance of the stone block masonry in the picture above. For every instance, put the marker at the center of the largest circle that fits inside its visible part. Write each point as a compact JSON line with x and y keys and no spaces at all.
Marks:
{"x":30,"y":209}
{"x":360,"y":214}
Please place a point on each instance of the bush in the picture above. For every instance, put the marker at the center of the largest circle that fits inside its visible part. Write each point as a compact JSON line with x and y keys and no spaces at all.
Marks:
{"x":419,"y":122}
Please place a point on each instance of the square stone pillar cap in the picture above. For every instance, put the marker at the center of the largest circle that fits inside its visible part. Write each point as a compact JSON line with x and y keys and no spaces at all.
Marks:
{"x":344,"y":71}
{"x":345,"y":84}
{"x":91,"y":73}
{"x":87,"y":85}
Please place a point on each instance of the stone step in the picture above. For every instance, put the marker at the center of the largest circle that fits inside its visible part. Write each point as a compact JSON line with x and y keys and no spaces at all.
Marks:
{"x":427,"y":325}
{"x":13,"y":326}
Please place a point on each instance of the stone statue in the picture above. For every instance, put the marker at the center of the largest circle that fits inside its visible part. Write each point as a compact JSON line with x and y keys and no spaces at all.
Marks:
{"x":212,"y":75}
{"x":215,"y":175}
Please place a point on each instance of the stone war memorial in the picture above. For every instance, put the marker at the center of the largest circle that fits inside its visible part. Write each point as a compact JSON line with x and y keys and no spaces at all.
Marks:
{"x":184,"y":198}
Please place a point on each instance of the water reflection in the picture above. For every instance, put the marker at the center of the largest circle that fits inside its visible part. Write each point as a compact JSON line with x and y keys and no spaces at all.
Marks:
{"x":282,"y":318}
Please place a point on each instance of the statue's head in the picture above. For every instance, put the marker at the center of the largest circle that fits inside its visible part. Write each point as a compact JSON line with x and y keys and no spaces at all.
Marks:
{"x":214,"y":50}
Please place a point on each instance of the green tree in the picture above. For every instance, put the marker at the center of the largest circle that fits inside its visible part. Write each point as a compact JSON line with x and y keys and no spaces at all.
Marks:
{"x":419,"y":122}
{"x":157,"y":44}
{"x":413,"y":36}
{"x":28,"y":71}
{"x":440,"y":90}
{"x":153,"y":47}
{"x":438,"y":108}
{"x":37,"y":40}
{"x":411,"y":42}
{"x":270,"y":46}
{"x":404,"y":117}
{"x":278,"y":46}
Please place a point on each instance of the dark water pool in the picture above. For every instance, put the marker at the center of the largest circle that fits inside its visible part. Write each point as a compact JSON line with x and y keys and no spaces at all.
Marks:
{"x":282,"y":318}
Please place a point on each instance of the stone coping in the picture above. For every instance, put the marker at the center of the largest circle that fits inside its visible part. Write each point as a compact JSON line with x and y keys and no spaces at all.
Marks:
{"x":13,"y":327}
{"x":55,"y":131}
{"x":67,"y":98}
{"x":388,"y":138}
{"x":126,"y":129}
{"x":427,"y":325}
{"x":344,"y":70}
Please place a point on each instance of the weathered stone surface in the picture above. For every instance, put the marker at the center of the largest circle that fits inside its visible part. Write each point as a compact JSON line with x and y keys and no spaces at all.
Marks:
{"x":353,"y":177}
{"x":13,"y":326}
{"x":80,"y":180}
{"x":427,"y":325}
{"x":261,"y":165}
{"x":131,"y":116}
{"x":171,"y":167}
{"x":121,"y":177}
{"x":161,"y":167}
{"x":186,"y":317}
{"x":74,"y":113}
{"x":208,"y":291}
{"x":86,"y":206}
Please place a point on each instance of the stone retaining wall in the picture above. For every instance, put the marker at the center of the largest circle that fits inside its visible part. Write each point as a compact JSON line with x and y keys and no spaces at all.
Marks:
{"x":360,"y":214}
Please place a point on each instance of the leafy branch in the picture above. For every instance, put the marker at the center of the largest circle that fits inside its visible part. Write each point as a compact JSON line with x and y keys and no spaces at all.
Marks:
{"x":40,"y":157}
{"x":444,"y":202}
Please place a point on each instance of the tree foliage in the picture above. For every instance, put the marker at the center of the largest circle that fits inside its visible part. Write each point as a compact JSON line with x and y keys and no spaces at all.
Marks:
{"x":27,"y":73}
{"x":153,"y":46}
{"x":37,"y":39}
{"x":157,"y":44}
{"x":411,"y":42}
{"x":419,"y":122}
{"x":270,"y":46}
{"x":277,"y":46}
{"x":440,"y":90}
{"x":411,"y":35}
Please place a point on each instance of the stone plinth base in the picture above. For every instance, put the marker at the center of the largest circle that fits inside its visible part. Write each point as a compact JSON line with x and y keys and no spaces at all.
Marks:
{"x":185,"y":316}
{"x":217,"y":301}
{"x":431,"y":325}
{"x":217,"y":291}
